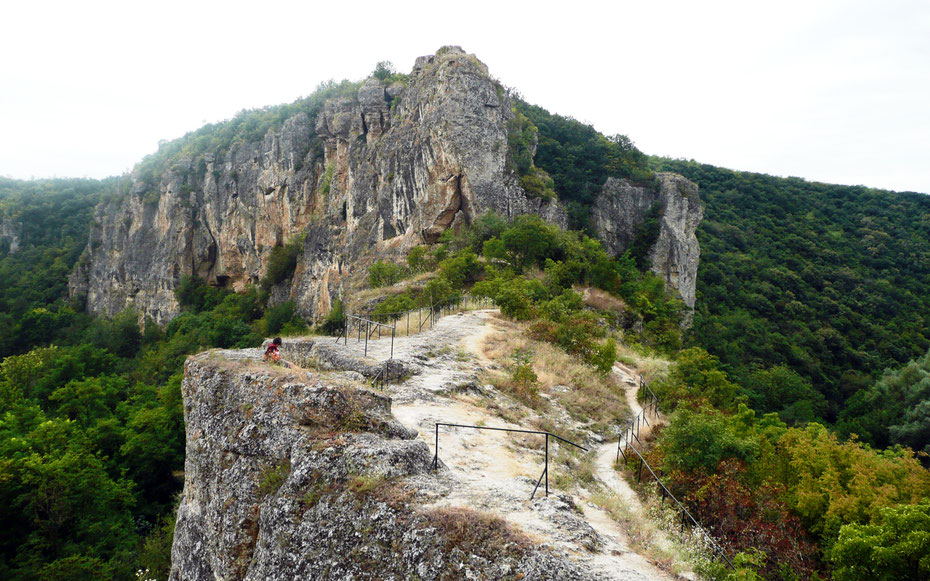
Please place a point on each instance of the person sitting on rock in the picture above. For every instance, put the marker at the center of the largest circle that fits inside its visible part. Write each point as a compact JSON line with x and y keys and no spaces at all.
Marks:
{"x":272,"y":353}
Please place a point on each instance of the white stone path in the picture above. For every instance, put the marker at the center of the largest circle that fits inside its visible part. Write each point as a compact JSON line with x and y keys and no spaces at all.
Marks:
{"x":488,"y":470}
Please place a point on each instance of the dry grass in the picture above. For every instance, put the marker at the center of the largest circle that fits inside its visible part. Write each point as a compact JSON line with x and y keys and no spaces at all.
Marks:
{"x":477,"y":533}
{"x":650,"y":365}
{"x":653,"y":533}
{"x":587,"y":396}
{"x":602,"y":300}
{"x":572,"y":468}
{"x":367,"y":296}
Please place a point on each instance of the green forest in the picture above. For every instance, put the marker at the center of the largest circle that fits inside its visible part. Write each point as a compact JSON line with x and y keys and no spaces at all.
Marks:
{"x":91,"y":420}
{"x":821,"y":281}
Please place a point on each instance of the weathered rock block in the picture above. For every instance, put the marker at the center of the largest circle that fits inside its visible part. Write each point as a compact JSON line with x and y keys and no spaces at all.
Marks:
{"x":622,"y":208}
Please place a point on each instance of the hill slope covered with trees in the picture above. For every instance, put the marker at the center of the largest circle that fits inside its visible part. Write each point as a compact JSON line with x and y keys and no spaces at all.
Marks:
{"x":829,"y":281}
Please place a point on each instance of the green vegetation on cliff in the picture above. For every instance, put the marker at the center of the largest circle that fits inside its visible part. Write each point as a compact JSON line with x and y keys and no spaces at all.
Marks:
{"x":575,"y":157}
{"x":533,"y":270}
{"x":91,"y":421}
{"x":248,"y":126}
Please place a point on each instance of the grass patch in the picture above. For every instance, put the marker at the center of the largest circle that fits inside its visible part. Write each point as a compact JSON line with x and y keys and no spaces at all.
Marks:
{"x":602,"y":300}
{"x":273,"y":477}
{"x":652,"y":365}
{"x":572,"y":468}
{"x":477,"y":533}
{"x":587,"y":396}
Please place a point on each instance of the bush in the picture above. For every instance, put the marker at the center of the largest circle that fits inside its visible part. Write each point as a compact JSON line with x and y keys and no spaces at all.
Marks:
{"x":604,"y":356}
{"x":383,"y":273}
{"x":531,"y":241}
{"x":394,"y":306}
{"x":513,"y":301}
{"x":282,"y":262}
{"x":486,"y":227}
{"x":894,"y":547}
{"x":494,"y":249}
{"x":335,"y":321}
{"x":695,"y":377}
{"x":195,"y":295}
{"x":700,"y":440}
{"x":276,"y":318}
{"x":436,"y":293}
{"x":577,"y":335}
{"x":228,"y":332}
{"x":419,"y":259}
{"x":523,"y":378}
{"x":542,"y":331}
{"x":537,"y":184}
{"x":562,"y":306}
{"x":461,"y":269}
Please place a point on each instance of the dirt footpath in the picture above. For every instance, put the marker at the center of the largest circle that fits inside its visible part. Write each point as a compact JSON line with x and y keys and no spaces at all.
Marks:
{"x":496,"y":472}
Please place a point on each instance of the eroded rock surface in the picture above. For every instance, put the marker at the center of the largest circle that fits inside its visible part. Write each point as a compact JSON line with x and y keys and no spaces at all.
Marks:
{"x":622,"y":208}
{"x":292,"y":475}
{"x":10,"y":233}
{"x":366,"y":176}
{"x":372,"y":175}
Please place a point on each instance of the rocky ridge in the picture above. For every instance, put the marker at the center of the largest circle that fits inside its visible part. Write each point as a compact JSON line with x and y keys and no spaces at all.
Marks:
{"x":293,"y":474}
{"x":622,"y":208}
{"x":370,"y":175}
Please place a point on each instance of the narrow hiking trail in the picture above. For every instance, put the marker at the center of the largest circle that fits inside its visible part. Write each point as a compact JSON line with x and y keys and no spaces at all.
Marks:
{"x":496,"y":471}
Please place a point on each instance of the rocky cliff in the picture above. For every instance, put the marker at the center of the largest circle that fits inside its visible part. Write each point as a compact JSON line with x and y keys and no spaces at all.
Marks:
{"x":368,"y":175}
{"x":622,"y":209}
{"x":293,"y":475}
{"x":10,"y":233}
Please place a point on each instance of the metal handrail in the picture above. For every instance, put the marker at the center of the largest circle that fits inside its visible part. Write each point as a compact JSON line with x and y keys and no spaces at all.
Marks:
{"x":684,"y":511}
{"x":545,"y":472}
{"x":631,"y":432}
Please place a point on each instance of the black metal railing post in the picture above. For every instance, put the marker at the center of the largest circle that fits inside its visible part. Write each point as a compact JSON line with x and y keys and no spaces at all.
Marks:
{"x":436,"y":456}
{"x":547,"y":464}
{"x":685,"y":515}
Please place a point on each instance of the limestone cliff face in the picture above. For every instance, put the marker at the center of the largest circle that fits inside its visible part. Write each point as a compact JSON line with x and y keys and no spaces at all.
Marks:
{"x":290,"y":475}
{"x":367,"y":176}
{"x":10,"y":233}
{"x":622,"y":208}
{"x":371,"y":175}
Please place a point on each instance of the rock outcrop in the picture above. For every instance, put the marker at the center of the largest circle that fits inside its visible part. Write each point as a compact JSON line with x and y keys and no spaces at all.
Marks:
{"x":290,"y":475}
{"x":373,"y":174}
{"x":622,"y":210}
{"x":10,"y":233}
{"x":363,"y":176}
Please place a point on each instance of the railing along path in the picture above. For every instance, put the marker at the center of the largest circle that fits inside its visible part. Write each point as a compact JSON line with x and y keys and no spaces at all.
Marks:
{"x":367,"y":325}
{"x":374,"y":322}
{"x":545,"y":472}
{"x":625,"y":445}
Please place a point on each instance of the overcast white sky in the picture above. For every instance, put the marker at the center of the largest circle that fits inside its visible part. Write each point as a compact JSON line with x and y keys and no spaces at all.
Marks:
{"x":835,"y":91}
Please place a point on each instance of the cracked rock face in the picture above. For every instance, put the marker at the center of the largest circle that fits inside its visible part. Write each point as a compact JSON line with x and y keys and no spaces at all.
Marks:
{"x":10,"y":232}
{"x":621,"y":209}
{"x":369,"y":177}
{"x":290,"y":475}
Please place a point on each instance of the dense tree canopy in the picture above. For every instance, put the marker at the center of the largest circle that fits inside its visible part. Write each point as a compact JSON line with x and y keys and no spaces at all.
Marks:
{"x":91,"y":419}
{"x":830,"y":281}
{"x":575,"y":157}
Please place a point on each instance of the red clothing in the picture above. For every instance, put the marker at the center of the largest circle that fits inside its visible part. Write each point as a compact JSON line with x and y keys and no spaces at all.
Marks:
{"x":271,"y":353}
